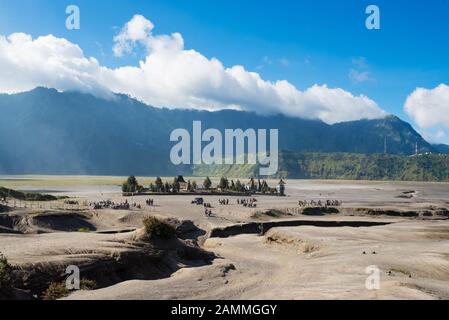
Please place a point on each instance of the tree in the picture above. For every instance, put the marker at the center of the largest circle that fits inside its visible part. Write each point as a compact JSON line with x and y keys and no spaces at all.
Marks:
{"x":131,"y":185}
{"x":253,"y":185}
{"x":194,"y":186}
{"x":159,"y":184}
{"x":224,"y":184}
{"x":265,"y":187}
{"x":232,"y":185}
{"x":176,"y":185}
{"x":238,"y":186}
{"x":207,"y":183}
{"x":189,"y":186}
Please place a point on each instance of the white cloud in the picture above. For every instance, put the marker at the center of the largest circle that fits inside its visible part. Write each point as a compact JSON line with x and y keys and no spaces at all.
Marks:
{"x":135,"y":30}
{"x":357,"y":76}
{"x":360,"y":62}
{"x":139,"y":30}
{"x":46,"y":61}
{"x":169,"y":76}
{"x":360,"y":73}
{"x":267,"y":60}
{"x":429,"y":107}
{"x":440,"y":134}
{"x":435,"y":136}
{"x":284,"y":62}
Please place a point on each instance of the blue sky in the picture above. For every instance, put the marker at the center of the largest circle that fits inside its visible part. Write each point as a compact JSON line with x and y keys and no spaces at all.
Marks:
{"x":304,"y":42}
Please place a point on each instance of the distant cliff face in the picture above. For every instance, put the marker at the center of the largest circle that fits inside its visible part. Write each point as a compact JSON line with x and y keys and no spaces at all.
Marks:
{"x":48,"y":132}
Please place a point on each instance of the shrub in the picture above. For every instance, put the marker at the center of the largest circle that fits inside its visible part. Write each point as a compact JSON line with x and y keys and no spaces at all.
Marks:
{"x":313,"y":211}
{"x":5,"y":272}
{"x":273,"y":213}
{"x":393,"y":213}
{"x":330,"y":210}
{"x":86,"y":284}
{"x":58,"y":290}
{"x":55,"y":291}
{"x":157,"y":228}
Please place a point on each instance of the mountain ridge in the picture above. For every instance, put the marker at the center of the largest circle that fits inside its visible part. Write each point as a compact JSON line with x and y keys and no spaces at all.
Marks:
{"x":44,"y":131}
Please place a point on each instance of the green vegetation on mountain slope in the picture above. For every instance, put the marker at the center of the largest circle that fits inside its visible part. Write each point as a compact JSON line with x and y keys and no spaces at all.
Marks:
{"x":350,"y":166}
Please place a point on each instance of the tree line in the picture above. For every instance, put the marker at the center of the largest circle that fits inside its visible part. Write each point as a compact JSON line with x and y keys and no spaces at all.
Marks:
{"x":131,"y":185}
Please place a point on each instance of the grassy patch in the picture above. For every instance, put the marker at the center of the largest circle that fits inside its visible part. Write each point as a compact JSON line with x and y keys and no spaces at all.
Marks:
{"x":158,"y":228}
{"x":26,"y":196}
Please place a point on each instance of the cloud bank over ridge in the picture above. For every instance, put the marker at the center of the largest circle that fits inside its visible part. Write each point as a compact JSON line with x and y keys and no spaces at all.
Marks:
{"x":169,"y":76}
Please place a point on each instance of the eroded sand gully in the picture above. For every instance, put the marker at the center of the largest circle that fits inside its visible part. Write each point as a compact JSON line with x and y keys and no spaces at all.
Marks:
{"x":326,"y":258}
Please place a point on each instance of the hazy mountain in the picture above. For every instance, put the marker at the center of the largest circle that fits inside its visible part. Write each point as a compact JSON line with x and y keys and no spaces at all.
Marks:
{"x":48,"y":132}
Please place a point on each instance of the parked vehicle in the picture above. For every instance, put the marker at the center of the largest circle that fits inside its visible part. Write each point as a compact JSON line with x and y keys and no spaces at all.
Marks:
{"x":198,"y":201}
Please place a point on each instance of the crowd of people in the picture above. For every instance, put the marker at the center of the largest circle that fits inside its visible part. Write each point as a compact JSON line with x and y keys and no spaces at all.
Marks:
{"x":207,"y":212}
{"x":223,"y":202}
{"x":247,"y":203}
{"x":207,"y":209}
{"x":71,"y":202}
{"x":319,"y":203}
{"x":108,"y":204}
